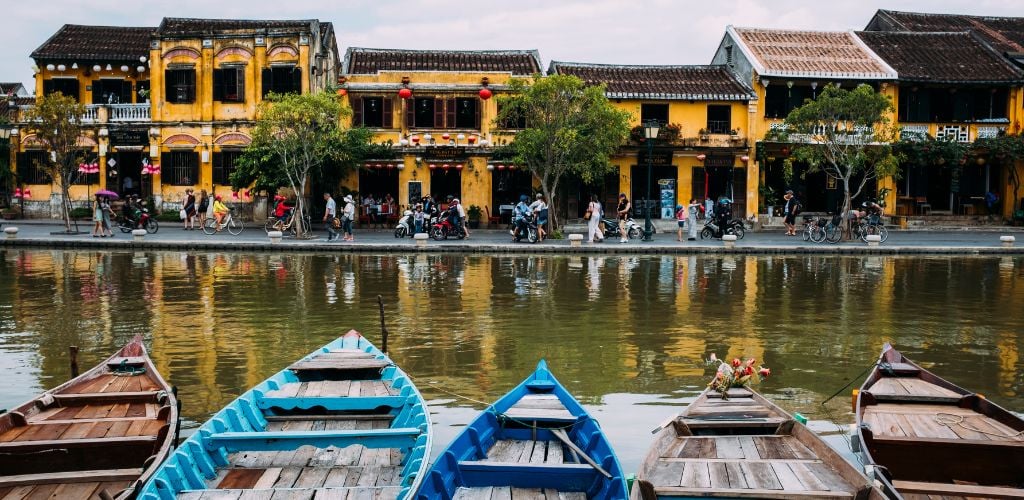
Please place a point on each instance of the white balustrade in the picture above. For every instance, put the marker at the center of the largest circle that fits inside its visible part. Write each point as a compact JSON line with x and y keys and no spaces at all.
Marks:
{"x":129,"y":113}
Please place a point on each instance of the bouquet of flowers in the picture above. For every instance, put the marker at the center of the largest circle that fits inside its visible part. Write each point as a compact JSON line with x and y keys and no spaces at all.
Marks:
{"x":737,"y":374}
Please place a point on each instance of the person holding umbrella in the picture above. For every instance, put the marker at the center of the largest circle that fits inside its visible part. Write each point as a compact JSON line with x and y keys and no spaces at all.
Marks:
{"x":105,"y":211}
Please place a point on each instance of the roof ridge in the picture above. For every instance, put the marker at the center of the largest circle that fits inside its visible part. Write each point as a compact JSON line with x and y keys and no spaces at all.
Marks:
{"x":237,"y":20}
{"x":637,"y":66}
{"x":942,"y":14}
{"x":458,"y":51}
{"x":910,"y":33}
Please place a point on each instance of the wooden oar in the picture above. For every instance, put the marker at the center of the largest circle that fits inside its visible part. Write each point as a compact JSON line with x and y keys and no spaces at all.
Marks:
{"x":563,"y":437}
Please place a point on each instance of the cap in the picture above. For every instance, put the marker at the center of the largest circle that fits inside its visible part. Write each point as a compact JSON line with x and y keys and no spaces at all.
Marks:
{"x":523,"y":197}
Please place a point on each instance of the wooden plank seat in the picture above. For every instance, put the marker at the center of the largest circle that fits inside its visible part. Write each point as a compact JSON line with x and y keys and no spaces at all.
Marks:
{"x":525,"y":451}
{"x":50,"y":444}
{"x":341,"y":360}
{"x":750,"y":493}
{"x":347,"y":416}
{"x":290,"y":440}
{"x":294,"y":493}
{"x":509,"y":493}
{"x":80,"y":476}
{"x":332,"y":403}
{"x":132,"y":361}
{"x":534,"y":407}
{"x":565,"y":477}
{"x":949,"y":489}
{"x":106,"y":397}
{"x":758,"y":478}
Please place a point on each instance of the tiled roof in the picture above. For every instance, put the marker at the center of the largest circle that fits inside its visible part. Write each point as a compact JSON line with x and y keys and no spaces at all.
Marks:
{"x":1005,"y":34}
{"x":96,"y":43}
{"x":7,"y":88}
{"x":176,"y":26}
{"x":362,"y":61}
{"x":941,"y":57}
{"x":797,"y":53}
{"x":659,"y":82}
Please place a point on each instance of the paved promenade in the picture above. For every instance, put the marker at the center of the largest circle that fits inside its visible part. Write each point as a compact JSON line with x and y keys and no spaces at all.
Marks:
{"x":40,"y":234}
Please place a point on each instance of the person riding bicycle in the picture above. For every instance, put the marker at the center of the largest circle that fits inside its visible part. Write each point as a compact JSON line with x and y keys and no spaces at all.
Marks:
{"x":220,"y":211}
{"x":520,"y":213}
{"x":282,"y":211}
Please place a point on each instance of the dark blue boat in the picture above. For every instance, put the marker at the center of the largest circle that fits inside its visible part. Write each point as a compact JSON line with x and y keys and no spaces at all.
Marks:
{"x":534,"y":442}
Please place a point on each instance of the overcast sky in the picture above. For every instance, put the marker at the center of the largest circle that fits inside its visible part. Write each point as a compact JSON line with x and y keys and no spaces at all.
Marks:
{"x":602,"y":31}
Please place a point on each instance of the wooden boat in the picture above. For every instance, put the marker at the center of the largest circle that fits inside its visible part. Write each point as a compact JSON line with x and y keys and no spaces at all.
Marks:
{"x":933,"y":438}
{"x":535,"y":442}
{"x":342,"y":422}
{"x":744,"y":447}
{"x":98,"y":435}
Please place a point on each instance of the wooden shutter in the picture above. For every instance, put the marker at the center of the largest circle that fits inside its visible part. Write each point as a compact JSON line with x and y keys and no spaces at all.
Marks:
{"x":476,"y":119}
{"x":357,"y":111}
{"x":410,"y":112}
{"x":125,"y":96}
{"x":218,"y":85}
{"x":297,"y":80}
{"x":169,"y":86}
{"x":218,"y":168}
{"x":266,"y":81}
{"x":47,"y":87}
{"x":438,"y":113}
{"x":450,"y":109}
{"x":240,"y":83}
{"x":190,"y":78}
{"x":97,"y":91}
{"x":389,"y":111}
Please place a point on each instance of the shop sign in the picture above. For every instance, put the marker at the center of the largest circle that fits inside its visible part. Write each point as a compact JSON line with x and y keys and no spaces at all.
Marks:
{"x":444,"y":153}
{"x":128,"y":137}
{"x":720,"y":161}
{"x":658,"y":158}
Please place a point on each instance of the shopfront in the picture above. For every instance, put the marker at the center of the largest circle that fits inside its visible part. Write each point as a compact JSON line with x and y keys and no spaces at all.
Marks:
{"x":125,"y":161}
{"x":663,"y":185}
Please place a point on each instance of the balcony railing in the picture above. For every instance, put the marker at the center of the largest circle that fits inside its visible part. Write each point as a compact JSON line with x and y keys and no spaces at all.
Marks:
{"x":104,"y":113}
{"x":129,"y":113}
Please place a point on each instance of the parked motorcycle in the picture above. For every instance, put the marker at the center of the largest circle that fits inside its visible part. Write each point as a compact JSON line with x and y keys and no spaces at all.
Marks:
{"x":526,"y":227}
{"x":142,"y":220}
{"x":712,"y":229}
{"x":405,"y":224}
{"x":442,"y":228}
{"x":633,"y":230}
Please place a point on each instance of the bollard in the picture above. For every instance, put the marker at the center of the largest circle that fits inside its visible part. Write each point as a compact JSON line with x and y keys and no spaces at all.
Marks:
{"x":138,"y":234}
{"x":421,"y":239}
{"x":275,"y":236}
{"x":874,"y":240}
{"x":575,"y":240}
{"x":729,"y":240}
{"x":1007,"y":241}
{"x":12,"y":232}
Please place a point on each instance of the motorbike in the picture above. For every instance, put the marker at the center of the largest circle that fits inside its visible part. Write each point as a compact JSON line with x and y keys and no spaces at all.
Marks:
{"x":441,"y":228}
{"x":404,"y":227}
{"x":633,"y":229}
{"x":142,"y":220}
{"x":526,"y":227}
{"x":713,"y":229}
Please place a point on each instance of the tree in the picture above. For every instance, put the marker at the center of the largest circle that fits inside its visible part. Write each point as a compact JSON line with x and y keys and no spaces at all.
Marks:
{"x":845,"y":133}
{"x":1007,"y":150}
{"x":296,"y":136}
{"x":570,"y":129}
{"x":56,"y":120}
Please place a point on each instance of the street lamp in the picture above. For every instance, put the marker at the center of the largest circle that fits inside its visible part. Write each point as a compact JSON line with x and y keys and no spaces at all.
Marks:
{"x":650,"y":134}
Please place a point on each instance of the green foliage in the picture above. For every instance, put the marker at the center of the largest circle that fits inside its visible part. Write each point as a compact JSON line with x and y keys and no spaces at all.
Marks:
{"x":924,"y":149}
{"x":571,"y":129}
{"x":668,"y":132}
{"x":81,"y":213}
{"x":1007,"y":150}
{"x":474,"y":212}
{"x":56,"y":120}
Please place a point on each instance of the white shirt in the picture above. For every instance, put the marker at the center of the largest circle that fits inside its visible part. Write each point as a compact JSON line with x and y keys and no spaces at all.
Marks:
{"x":350,"y":211}
{"x":332,"y":207}
{"x":462,"y":211}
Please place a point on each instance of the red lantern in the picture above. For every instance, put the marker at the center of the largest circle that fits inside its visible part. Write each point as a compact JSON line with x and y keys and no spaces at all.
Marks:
{"x":433,"y":166}
{"x":378,"y":166}
{"x":501,"y":167}
{"x":744,"y":158}
{"x":458,"y":166}
{"x":391,"y":166}
{"x":342,"y":92}
{"x":415,"y":139}
{"x":485,"y":93}
{"x":234,"y":194}
{"x":446,"y":136}
{"x":27,"y":193}
{"x":17,"y":192}
{"x":701,"y":157}
{"x":404,"y":93}
{"x":446,"y":166}
{"x":511,"y":167}
{"x":471,"y":139}
{"x":785,"y":151}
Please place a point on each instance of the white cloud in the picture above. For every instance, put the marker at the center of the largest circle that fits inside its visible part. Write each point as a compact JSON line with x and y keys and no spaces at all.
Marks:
{"x":609,"y":31}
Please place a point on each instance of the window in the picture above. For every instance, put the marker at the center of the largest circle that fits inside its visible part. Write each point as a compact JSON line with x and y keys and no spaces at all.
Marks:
{"x":142,"y":91}
{"x":282,"y":80}
{"x":430,"y":112}
{"x":373,"y":111}
{"x":657,"y":112}
{"x":513,"y":121}
{"x":229,"y":84}
{"x":224,"y":165}
{"x":952,"y":105}
{"x":180,"y":168}
{"x":719,"y":119}
{"x":111,"y":91}
{"x":780,"y":100}
{"x":66,"y":86}
{"x":29,"y":170}
{"x":180,"y":85}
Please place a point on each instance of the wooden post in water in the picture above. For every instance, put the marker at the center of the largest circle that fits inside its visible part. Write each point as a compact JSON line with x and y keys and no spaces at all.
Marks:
{"x":73,"y":354}
{"x":383,"y":329}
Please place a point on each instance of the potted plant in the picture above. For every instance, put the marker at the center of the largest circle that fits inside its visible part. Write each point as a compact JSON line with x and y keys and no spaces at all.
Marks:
{"x":734,"y":134}
{"x":768,"y":198}
{"x":473,"y":214}
{"x":703,"y":134}
{"x":144,"y":94}
{"x":10,"y":213}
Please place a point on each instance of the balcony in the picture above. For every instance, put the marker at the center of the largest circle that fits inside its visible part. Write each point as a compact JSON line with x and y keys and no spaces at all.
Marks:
{"x":104,"y":113}
{"x":959,"y":132}
{"x":122,"y":113}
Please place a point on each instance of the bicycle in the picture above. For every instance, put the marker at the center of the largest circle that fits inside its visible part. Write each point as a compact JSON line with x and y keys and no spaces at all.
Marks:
{"x":868,"y":226}
{"x":286,"y":226}
{"x":234,"y":226}
{"x":834,"y":229}
{"x":814,"y":229}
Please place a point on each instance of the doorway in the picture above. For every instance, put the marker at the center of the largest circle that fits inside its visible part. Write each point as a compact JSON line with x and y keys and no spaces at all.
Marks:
{"x":663,"y":183}
{"x":129,"y":166}
{"x":445,"y":183}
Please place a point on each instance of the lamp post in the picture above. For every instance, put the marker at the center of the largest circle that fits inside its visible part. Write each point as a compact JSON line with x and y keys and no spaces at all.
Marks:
{"x":650,"y":134}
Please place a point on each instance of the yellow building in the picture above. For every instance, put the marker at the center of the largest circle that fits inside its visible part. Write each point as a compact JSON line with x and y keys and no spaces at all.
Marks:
{"x":702,"y":150}
{"x":181,"y":96}
{"x":437,"y":109}
{"x":785,"y":67}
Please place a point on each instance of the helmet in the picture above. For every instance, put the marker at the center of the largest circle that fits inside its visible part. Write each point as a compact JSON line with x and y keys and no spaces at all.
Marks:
{"x":865,"y":204}
{"x":524,"y":198}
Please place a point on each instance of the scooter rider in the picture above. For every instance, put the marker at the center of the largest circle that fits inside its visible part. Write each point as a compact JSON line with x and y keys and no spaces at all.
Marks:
{"x":453,"y":215}
{"x":519,"y":214}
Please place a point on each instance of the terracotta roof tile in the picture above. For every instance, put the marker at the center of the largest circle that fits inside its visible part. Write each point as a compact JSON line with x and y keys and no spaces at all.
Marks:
{"x":835,"y":54}
{"x":96,"y":43}
{"x":941,"y":57}
{"x":659,"y":82}
{"x":365,"y":61}
{"x":177,"y":27}
{"x":1005,"y":34}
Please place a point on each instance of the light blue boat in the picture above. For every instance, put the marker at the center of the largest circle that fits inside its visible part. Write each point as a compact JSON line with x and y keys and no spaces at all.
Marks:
{"x":342,"y":422}
{"x":534,"y":442}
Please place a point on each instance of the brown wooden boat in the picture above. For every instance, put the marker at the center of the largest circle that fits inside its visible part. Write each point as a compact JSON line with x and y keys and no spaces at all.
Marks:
{"x":99,"y":435}
{"x":932,"y":438}
{"x":744,"y":447}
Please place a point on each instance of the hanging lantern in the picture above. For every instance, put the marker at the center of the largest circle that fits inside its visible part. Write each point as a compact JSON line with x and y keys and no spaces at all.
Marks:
{"x":404,"y":93}
{"x":378,"y":166}
{"x":501,"y":167}
{"x":490,"y":167}
{"x":458,"y":166}
{"x":391,"y":166}
{"x":785,"y":151}
{"x":140,"y":69}
{"x":471,"y":139}
{"x":110,"y":68}
{"x":445,"y":166}
{"x":27,"y":193}
{"x":97,"y":68}
{"x":17,"y":192}
{"x":342,"y":92}
{"x":701,"y":157}
{"x":485,"y":93}
{"x":461,"y":137}
{"x":403,"y":142}
{"x":484,"y":142}
{"x":248,"y":193}
{"x":511,"y":167}
{"x":50,"y":67}
{"x":433,"y":166}
{"x":401,"y":166}
{"x":428,"y":137}
{"x":446,"y":136}
{"x":415,"y":139}
{"x":234,"y":195}
{"x":744,"y":158}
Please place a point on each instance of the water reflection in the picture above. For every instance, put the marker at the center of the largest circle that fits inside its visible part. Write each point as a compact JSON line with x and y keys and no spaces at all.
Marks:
{"x":627,"y":334}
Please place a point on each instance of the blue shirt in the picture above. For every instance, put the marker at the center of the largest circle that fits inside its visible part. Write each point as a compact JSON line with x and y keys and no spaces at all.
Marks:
{"x":522,"y":209}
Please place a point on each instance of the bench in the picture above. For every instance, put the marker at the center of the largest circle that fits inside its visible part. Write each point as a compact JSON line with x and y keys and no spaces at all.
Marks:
{"x":106,"y":397}
{"x":956,"y":490}
{"x":342,"y":403}
{"x":293,"y":440}
{"x":564,"y":477}
{"x":14,"y":447}
{"x":77,"y":476}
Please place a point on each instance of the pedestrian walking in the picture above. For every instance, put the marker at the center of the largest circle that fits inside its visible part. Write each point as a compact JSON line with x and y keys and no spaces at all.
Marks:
{"x":97,"y":217}
{"x":462,"y":216}
{"x":189,"y":206}
{"x":418,"y":219}
{"x":694,"y":209}
{"x":540,"y":209}
{"x":330,"y":213}
{"x":682,"y":214}
{"x":622,"y":210}
{"x":790,"y":209}
{"x":348,"y":218}
{"x":593,"y":215}
{"x":106,"y":210}
{"x":202,"y":206}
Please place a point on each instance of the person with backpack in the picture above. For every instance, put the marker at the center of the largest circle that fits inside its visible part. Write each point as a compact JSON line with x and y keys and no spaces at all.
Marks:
{"x":790,"y":211}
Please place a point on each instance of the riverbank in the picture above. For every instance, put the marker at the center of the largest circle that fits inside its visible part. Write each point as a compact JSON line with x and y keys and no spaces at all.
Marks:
{"x":38,"y":234}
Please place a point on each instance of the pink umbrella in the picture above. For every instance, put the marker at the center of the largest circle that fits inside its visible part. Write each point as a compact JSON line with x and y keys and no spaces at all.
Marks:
{"x":108,"y":193}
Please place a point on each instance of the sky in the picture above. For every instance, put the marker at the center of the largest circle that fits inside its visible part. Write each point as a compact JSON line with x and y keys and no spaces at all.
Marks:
{"x":597,"y":31}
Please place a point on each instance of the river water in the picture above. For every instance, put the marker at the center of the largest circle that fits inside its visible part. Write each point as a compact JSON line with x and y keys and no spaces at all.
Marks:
{"x":627,"y":335}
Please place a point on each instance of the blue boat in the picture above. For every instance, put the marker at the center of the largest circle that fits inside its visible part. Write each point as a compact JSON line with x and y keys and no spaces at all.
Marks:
{"x":534,"y":442}
{"x":342,"y":422}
